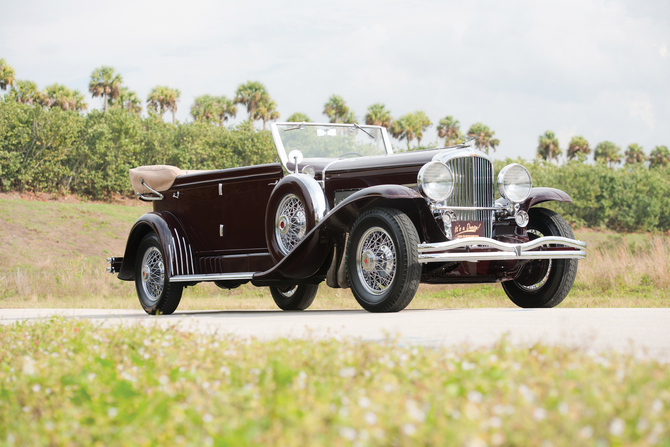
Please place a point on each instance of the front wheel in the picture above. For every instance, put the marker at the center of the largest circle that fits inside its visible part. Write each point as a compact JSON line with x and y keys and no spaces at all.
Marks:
{"x":383,"y":260}
{"x":156,"y":294}
{"x":294,"y":297}
{"x":544,"y":282}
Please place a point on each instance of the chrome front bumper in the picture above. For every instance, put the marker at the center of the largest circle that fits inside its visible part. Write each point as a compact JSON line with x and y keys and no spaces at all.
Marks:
{"x":487,"y":249}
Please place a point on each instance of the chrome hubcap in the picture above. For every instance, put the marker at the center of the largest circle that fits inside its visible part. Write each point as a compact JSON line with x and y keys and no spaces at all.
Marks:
{"x":290,"y":223}
{"x":153,"y":273}
{"x":376,"y":260}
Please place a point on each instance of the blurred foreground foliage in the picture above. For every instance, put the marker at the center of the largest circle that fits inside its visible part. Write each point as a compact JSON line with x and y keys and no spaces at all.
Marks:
{"x":89,"y":155}
{"x":72,"y":382}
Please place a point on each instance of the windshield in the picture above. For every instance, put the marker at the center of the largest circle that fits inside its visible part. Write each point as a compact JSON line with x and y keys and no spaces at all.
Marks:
{"x":329,"y":140}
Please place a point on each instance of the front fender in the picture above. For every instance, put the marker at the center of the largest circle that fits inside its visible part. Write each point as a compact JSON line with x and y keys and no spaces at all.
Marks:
{"x":174,"y":242}
{"x":539,"y":195}
{"x":310,"y":255}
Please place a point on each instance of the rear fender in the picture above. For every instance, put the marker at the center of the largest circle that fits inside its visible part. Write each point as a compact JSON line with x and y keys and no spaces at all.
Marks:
{"x":174,"y":242}
{"x":315,"y":249}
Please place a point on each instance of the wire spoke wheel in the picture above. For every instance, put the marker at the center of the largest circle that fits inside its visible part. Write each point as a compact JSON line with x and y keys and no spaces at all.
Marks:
{"x":290,"y":223}
{"x":376,"y":260}
{"x":153,"y":273}
{"x":156,"y":293}
{"x":382,"y":260}
{"x":543,"y":282}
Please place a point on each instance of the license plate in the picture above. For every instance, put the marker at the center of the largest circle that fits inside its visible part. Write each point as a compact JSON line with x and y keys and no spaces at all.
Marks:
{"x":467,"y":228}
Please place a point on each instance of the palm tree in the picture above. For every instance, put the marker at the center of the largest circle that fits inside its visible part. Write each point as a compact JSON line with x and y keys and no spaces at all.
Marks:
{"x":483,"y":137}
{"x":410,"y":126}
{"x":298,"y":117}
{"x":106,"y":83}
{"x":378,"y":115}
{"x":337,"y":110}
{"x":607,"y":152}
{"x":163,"y":99}
{"x":548,"y":148}
{"x":401,"y":128}
{"x":225,"y":108}
{"x":421,"y":122}
{"x":449,"y":129}
{"x":579,"y":148}
{"x":26,"y":92}
{"x":6,"y":75}
{"x":267,"y":111}
{"x":635,"y":154}
{"x":205,"y":109}
{"x":58,"y":95}
{"x":128,"y":100}
{"x":251,"y":94}
{"x":659,"y":157}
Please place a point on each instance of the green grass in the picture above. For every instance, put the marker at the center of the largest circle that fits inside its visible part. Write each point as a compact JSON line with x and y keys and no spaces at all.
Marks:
{"x":71,"y":382}
{"x":52,"y":254}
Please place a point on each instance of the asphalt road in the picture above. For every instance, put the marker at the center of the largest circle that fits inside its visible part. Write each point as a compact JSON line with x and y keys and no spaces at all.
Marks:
{"x":643,"y":332}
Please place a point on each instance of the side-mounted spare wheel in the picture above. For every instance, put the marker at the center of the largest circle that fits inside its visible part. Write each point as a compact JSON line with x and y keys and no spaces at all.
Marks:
{"x":383,"y":260}
{"x":296,"y":206}
{"x":543,"y":282}
{"x":156,"y":294}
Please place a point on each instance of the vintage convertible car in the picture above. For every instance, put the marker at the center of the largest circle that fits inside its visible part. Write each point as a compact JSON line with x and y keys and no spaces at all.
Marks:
{"x":342,"y":207}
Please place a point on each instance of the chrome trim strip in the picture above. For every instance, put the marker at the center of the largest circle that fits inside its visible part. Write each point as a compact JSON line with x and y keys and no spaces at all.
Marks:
{"x":192,"y":263}
{"x":323,"y":173}
{"x":185,"y":253}
{"x":436,"y":252}
{"x":171,"y":258}
{"x":213,"y":277}
{"x":181,"y":256}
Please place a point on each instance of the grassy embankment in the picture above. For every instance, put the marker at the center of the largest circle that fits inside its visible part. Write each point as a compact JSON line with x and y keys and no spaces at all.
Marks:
{"x":70,"y":382}
{"x":52,"y":254}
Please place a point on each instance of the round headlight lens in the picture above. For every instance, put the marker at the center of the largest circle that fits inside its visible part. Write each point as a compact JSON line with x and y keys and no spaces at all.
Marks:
{"x":514,"y":183}
{"x":436,"y":181}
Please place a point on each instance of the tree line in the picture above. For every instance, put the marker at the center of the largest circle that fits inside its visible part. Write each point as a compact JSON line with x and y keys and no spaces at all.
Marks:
{"x":107,"y":84}
{"x":66,"y":152}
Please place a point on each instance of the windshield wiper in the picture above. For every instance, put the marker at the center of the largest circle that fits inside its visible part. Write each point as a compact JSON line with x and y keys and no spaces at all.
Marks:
{"x":359,"y":127}
{"x":298,"y":127}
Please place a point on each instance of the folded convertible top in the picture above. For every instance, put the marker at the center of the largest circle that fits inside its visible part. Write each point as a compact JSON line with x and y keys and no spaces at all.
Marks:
{"x":158,"y":177}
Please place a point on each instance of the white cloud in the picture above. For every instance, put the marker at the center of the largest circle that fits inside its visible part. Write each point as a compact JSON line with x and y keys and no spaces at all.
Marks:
{"x":643,"y":108}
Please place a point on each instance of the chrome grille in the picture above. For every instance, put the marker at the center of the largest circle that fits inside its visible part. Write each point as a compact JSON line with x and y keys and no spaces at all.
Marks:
{"x":473,"y":186}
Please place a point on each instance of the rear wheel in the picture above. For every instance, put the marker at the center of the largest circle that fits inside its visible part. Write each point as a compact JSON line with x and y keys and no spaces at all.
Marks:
{"x":294,"y":297}
{"x":156,"y":294}
{"x":544,"y":282}
{"x":383,"y":261}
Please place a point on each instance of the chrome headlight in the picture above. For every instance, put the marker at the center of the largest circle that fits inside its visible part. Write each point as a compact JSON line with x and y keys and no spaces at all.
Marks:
{"x":514,"y":183}
{"x":436,"y":181}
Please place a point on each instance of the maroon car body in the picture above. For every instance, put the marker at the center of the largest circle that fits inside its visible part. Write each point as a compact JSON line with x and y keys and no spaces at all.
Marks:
{"x":379,"y":223}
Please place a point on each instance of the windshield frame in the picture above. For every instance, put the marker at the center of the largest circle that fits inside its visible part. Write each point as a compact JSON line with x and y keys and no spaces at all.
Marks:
{"x":283,"y":156}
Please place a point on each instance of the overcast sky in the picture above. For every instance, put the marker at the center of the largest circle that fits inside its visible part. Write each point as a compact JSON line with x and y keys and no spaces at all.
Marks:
{"x":600,"y":69}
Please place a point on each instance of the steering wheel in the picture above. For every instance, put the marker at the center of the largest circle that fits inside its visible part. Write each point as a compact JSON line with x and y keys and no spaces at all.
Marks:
{"x":349,"y":153}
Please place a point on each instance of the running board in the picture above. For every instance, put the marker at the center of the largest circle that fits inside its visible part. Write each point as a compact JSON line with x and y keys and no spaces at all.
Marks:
{"x":213,"y":277}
